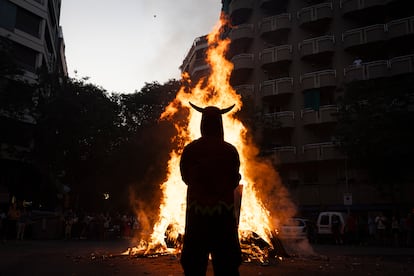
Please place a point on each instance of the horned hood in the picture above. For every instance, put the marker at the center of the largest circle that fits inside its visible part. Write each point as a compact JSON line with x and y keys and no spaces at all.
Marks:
{"x":211,"y":121}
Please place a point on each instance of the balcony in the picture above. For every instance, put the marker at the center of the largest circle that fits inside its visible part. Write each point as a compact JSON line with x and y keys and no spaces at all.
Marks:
{"x":402,"y":65}
{"x":325,"y":114}
{"x":284,"y":155}
{"x":364,"y":35}
{"x":274,"y":24}
{"x":320,"y":12}
{"x":366,"y":71}
{"x":283,"y":119}
{"x":330,"y":151}
{"x":240,"y":10}
{"x":277,"y":87}
{"x":198,"y":66}
{"x":401,"y":27}
{"x":318,"y":79}
{"x":243,"y":31}
{"x":243,"y":61}
{"x":246,"y":90}
{"x":321,"y":151}
{"x":243,"y":65}
{"x":358,"y":6}
{"x":271,"y":56}
{"x":317,"y":46}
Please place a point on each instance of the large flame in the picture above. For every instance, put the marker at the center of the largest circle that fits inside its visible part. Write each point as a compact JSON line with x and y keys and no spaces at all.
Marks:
{"x":258,"y":176}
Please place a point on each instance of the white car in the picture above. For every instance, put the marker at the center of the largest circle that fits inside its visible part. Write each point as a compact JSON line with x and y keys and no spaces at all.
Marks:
{"x":298,"y":228}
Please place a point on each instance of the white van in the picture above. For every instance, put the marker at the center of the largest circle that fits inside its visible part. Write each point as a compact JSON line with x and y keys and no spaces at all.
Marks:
{"x":324,"y":222}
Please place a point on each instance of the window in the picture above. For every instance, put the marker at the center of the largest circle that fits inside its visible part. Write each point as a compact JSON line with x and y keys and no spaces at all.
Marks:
{"x":7,"y":14}
{"x":28,"y":22}
{"x":312,"y":99}
{"x":324,"y":220}
{"x":25,"y":57}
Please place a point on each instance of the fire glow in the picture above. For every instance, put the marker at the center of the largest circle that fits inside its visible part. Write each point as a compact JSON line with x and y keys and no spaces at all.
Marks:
{"x":260,"y":214}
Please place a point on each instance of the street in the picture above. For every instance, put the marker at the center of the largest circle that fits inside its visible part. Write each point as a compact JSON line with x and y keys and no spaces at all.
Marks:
{"x":80,"y":257}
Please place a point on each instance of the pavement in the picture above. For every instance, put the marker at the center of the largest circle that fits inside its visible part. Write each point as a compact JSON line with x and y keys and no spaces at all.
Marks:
{"x":83,"y":257}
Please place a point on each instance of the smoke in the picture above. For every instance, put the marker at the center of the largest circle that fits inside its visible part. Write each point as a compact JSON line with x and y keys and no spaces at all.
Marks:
{"x":146,"y":215}
{"x":175,"y":24}
{"x":268,"y":186}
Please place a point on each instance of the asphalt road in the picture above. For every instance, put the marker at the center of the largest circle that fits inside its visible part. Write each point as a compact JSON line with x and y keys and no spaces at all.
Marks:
{"x":104,"y":258}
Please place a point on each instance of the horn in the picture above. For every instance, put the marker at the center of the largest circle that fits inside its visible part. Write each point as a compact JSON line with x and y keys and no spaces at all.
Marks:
{"x":199,"y":109}
{"x":225,"y":110}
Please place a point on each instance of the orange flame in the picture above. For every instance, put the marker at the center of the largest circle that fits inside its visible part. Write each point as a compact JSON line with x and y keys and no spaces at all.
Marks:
{"x":217,"y":91}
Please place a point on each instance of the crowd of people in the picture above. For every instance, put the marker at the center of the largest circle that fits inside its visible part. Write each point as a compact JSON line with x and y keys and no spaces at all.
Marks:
{"x":373,"y":229}
{"x":101,"y":226}
{"x":376,"y":230}
{"x":19,"y":222}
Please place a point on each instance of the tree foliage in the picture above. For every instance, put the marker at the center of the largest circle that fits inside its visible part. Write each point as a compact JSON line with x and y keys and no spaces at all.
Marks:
{"x":98,"y":143}
{"x":374,"y":127}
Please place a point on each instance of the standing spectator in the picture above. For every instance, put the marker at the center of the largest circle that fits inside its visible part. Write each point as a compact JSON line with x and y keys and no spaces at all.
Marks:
{"x":107,"y":224}
{"x":337,"y":229}
{"x":135,"y":226}
{"x":12,"y":217}
{"x":351,"y":228}
{"x":380,"y":222}
{"x":68,"y":227}
{"x":395,"y":230}
{"x":21,"y":224}
{"x":371,"y":228}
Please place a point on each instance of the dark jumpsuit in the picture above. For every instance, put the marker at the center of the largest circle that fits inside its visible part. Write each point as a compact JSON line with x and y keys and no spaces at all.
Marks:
{"x":210,"y":168}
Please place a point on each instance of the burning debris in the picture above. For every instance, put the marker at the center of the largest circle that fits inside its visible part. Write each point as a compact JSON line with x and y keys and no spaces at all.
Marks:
{"x":265,"y":201}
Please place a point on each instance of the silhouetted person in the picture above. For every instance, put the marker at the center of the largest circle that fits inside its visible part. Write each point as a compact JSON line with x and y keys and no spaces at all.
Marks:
{"x":210,"y":168}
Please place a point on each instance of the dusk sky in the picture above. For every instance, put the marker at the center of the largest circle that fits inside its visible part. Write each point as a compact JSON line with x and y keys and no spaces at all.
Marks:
{"x":121,"y":45}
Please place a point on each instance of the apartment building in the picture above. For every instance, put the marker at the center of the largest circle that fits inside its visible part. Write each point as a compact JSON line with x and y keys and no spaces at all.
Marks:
{"x":292,"y":60}
{"x":30,"y":31}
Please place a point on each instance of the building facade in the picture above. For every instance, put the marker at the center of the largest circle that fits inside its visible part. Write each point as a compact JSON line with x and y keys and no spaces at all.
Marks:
{"x":292,"y":60}
{"x":30,"y":33}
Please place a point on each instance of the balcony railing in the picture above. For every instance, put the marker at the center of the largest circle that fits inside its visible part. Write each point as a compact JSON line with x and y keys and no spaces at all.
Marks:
{"x":314,"y":13}
{"x":277,"y":87}
{"x":325,"y":114}
{"x":317,"y":45}
{"x":275,"y":23}
{"x":364,"y":35}
{"x":350,"y":6}
{"x":321,"y":151}
{"x":402,"y":65}
{"x":245,"y":90}
{"x":366,"y":71}
{"x":242,"y":31}
{"x":401,"y":27}
{"x":324,"y":78}
{"x":243,"y":61}
{"x":280,"y":119}
{"x":284,"y":155}
{"x":276,"y":54}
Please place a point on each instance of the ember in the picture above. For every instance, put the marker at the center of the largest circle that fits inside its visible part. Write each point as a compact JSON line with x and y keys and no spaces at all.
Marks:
{"x":265,"y":201}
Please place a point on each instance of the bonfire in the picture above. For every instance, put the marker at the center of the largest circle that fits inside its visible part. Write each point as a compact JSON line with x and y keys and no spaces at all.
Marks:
{"x":264,"y":201}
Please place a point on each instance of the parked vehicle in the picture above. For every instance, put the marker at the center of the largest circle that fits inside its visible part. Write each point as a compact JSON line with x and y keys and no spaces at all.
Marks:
{"x":298,"y":228}
{"x":326,"y":220}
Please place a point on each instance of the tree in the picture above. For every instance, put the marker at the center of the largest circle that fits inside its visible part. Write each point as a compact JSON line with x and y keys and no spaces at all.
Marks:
{"x":77,"y":132}
{"x":374,"y":127}
{"x":98,"y":143}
